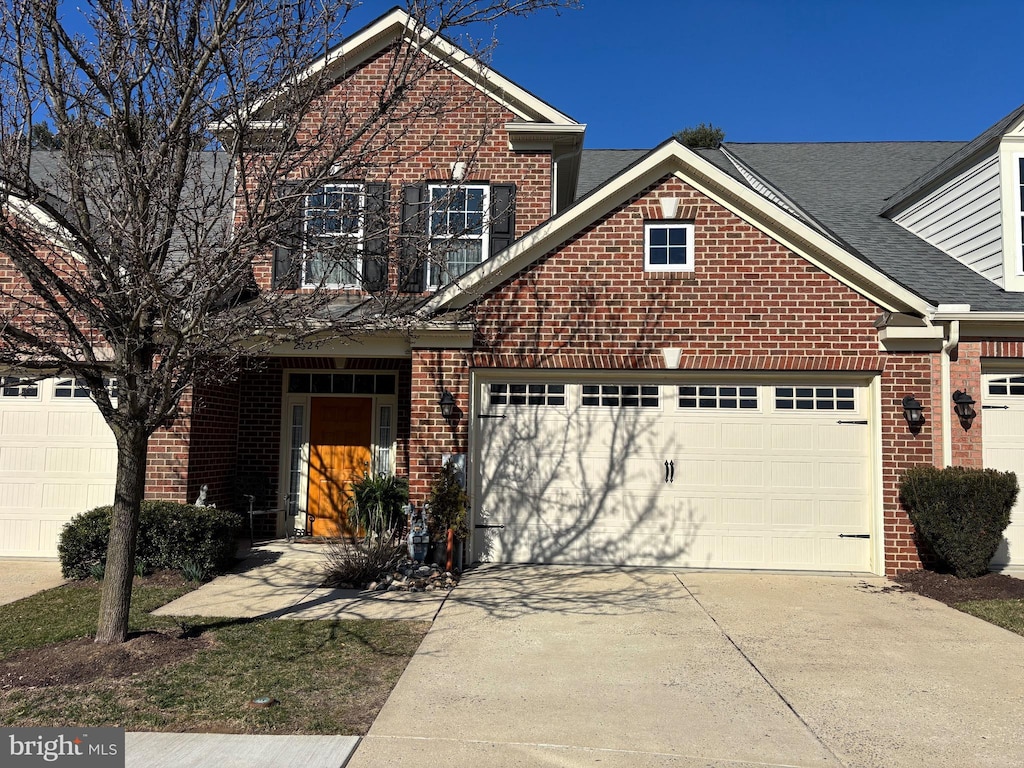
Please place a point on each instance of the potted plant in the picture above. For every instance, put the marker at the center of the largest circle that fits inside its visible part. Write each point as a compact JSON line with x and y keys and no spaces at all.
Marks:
{"x":449,"y":505}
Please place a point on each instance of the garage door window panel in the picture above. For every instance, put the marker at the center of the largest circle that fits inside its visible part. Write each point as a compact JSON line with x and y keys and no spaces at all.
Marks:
{"x":620,"y":396}
{"x":527,"y":394}
{"x":723,"y":397}
{"x":15,"y":386}
{"x":815,"y":399}
{"x":1008,"y":385}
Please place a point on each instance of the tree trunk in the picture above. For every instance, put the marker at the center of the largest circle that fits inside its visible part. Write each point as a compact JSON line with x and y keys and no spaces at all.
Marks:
{"x":132,"y":444}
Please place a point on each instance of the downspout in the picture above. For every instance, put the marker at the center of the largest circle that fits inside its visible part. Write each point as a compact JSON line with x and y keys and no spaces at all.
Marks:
{"x":947,"y":428}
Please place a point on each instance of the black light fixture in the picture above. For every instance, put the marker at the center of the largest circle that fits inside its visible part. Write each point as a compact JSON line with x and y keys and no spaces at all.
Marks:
{"x":963,"y":405}
{"x":447,"y":404}
{"x":913,"y":411}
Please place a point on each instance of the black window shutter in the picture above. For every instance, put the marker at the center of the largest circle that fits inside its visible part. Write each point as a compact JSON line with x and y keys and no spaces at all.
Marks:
{"x":411,"y":272}
{"x":375,"y":243}
{"x":288,"y":239}
{"x":503,"y":216}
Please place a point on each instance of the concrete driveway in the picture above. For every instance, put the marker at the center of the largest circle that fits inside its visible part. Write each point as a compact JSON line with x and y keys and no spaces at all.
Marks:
{"x":528,"y":666}
{"x":24,"y":576}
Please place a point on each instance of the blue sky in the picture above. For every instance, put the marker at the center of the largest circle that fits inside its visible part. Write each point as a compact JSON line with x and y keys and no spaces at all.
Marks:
{"x":770,"y":70}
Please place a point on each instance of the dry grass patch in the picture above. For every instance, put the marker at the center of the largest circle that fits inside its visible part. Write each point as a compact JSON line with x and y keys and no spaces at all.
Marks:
{"x":327,"y":677}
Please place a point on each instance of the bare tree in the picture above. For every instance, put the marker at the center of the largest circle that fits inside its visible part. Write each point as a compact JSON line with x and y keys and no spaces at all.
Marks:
{"x":189,"y":135}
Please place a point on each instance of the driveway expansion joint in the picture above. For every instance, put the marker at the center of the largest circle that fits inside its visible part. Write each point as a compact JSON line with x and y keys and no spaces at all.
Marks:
{"x":754,"y":667}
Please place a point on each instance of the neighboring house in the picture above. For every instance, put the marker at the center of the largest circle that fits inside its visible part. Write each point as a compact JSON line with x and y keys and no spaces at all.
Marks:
{"x":666,"y":357}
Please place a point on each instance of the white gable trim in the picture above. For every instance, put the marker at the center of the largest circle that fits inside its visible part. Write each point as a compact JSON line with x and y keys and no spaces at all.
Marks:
{"x":399,"y":25}
{"x":673,"y":158}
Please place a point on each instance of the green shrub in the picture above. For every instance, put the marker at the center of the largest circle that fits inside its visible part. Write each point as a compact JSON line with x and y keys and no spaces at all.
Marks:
{"x":449,"y":503}
{"x":176,"y":536}
{"x":960,"y":512}
{"x":377,"y":502}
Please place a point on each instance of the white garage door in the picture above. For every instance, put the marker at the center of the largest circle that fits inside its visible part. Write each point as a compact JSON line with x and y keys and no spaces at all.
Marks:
{"x":728,"y":475}
{"x":1003,"y":448}
{"x":57,"y":458}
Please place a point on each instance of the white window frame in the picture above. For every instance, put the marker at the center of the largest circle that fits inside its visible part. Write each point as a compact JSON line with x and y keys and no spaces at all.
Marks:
{"x":1018,"y":212}
{"x":433,"y":277}
{"x":309,"y":237}
{"x":27,"y":389}
{"x":687,"y":227}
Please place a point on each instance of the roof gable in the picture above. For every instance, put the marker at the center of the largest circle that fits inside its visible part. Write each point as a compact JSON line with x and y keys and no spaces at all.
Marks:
{"x":711,"y":179}
{"x":397,"y":25}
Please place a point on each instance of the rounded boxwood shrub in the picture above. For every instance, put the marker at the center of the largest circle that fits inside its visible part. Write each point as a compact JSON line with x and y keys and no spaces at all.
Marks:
{"x":960,"y":512}
{"x":196,"y":540}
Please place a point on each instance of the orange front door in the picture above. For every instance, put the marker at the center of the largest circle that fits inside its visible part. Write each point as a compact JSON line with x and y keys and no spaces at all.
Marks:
{"x":339,"y":452}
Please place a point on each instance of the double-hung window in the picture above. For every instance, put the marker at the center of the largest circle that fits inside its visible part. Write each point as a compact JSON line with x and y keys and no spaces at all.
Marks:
{"x":333,"y":240}
{"x":668,"y":246}
{"x":458,"y":231}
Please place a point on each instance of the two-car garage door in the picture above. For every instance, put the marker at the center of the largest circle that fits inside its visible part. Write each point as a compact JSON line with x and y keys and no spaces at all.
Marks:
{"x":57,"y":458}
{"x":700,"y":474}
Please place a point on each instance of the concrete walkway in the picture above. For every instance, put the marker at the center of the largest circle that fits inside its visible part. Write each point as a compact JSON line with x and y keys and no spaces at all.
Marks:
{"x":228,"y":750}
{"x":282,"y":580}
{"x":24,"y":576}
{"x":572,"y":667}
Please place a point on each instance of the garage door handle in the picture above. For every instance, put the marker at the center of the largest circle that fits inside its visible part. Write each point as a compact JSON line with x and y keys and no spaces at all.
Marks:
{"x":490,"y":415}
{"x":672,"y":467}
{"x":854,"y":535}
{"x":858,"y":421}
{"x":995,"y":407}
{"x":484,"y":525}
{"x":666,"y":470}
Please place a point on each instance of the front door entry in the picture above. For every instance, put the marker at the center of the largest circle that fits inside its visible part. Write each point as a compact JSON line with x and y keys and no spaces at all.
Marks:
{"x":339,"y":453}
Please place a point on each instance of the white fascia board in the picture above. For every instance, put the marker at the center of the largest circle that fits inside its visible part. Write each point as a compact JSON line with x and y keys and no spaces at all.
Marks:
{"x":979,"y":317}
{"x":396,"y":25}
{"x":673,"y":158}
{"x":43,"y":224}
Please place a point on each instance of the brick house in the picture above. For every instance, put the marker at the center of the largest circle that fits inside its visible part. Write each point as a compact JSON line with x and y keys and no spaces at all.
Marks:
{"x":714,"y":358}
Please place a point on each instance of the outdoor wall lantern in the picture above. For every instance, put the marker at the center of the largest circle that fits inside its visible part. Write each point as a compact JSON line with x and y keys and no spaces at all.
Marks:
{"x":447,"y":404}
{"x":913,"y":411}
{"x":963,"y":405}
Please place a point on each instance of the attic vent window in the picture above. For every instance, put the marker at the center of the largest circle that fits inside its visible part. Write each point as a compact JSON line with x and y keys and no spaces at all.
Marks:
{"x":668,"y":246}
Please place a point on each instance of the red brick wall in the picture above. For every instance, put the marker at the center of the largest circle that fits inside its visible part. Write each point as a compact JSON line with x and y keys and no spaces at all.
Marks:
{"x":749,"y":304}
{"x":421,"y":148}
{"x":903,"y":448}
{"x":167,"y":461}
{"x":212,"y":458}
{"x":433,"y":371}
{"x":965,"y":375}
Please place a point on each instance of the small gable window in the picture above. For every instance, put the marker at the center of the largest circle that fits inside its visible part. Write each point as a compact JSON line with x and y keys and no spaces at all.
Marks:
{"x":668,"y":246}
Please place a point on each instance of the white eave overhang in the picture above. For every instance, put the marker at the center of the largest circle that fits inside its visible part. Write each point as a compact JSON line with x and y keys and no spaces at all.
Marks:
{"x":526,"y":137}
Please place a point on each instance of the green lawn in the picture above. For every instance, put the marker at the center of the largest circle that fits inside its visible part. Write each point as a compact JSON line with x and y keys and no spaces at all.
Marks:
{"x":1008,"y":614}
{"x":329,"y":677}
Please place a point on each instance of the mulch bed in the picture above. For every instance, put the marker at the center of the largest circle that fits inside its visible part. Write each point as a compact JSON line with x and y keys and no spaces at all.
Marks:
{"x":950,"y":590}
{"x":83,"y":661}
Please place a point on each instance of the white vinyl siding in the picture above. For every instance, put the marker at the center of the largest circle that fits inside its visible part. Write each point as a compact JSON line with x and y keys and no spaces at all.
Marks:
{"x":963,"y":217}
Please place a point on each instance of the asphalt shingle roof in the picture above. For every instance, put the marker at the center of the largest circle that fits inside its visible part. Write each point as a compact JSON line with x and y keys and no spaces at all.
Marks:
{"x":842,"y":185}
